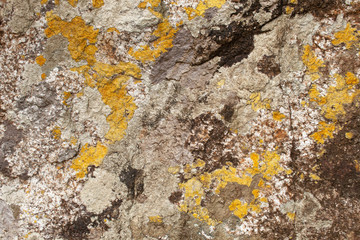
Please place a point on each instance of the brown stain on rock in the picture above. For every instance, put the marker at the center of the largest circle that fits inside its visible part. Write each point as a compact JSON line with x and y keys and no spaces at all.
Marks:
{"x":207,"y":142}
{"x":134,"y":181}
{"x":269,"y":66}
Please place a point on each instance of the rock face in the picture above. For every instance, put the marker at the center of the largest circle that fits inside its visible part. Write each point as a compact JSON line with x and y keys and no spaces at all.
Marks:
{"x":187,"y":119}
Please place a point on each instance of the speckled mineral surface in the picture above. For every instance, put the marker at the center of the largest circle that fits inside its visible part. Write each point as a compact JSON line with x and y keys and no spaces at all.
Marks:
{"x":184,"y":119}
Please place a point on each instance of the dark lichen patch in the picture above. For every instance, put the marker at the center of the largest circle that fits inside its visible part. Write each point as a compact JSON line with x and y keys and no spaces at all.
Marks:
{"x":236,"y":43}
{"x":134,"y":181}
{"x":175,"y":197}
{"x":339,"y":164}
{"x":78,"y":229}
{"x":318,"y":8}
{"x":269,"y":66}
{"x":10,"y":140}
{"x":208,"y":142}
{"x":227,"y":112}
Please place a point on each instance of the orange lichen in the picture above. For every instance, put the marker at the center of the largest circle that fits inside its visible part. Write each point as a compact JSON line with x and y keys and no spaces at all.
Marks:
{"x":43,"y":76}
{"x":40,"y":60}
{"x":89,"y":155}
{"x":44,"y":1}
{"x":348,"y":36}
{"x":81,"y":37}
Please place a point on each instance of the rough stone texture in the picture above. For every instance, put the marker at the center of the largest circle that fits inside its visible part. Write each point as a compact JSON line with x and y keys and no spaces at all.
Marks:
{"x":188,"y":119}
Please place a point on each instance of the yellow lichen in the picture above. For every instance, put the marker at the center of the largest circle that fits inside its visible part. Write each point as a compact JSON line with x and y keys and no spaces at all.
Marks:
{"x":289,"y":10}
{"x":73,"y":2}
{"x":202,"y":7}
{"x":40,"y":60}
{"x":257,"y":103}
{"x":277,"y":116}
{"x":315,"y":177}
{"x":44,"y":1}
{"x":81,"y":37}
{"x":194,"y":188}
{"x":312,"y":62}
{"x":324,"y":132}
{"x":156,"y":219}
{"x":339,"y":95}
{"x":220,"y":83}
{"x":165,"y":34}
{"x":67,"y":95}
{"x":56,"y":132}
{"x":112,"y":29}
{"x":43,"y":76}
{"x":348,"y":36}
{"x":349,"y":135}
{"x":240,"y":209}
{"x":97,"y":3}
{"x":89,"y":155}
{"x":111,"y":83}
{"x":291,"y":215}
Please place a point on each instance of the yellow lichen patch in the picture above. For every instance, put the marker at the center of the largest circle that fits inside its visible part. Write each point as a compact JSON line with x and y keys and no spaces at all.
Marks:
{"x":112,"y":29}
{"x":97,"y":3}
{"x":89,"y":155}
{"x":312,"y":62}
{"x":73,"y":2}
{"x":227,"y":175}
{"x":348,"y":36}
{"x":257,"y":103}
{"x":174,"y":170}
{"x":315,"y":177}
{"x":289,"y":10}
{"x":156,"y":219}
{"x":165,"y":34}
{"x":218,"y":179}
{"x":357,"y":165}
{"x":277,"y":116}
{"x":294,"y":1}
{"x":291,"y":215}
{"x":220,"y":83}
{"x":56,"y":132}
{"x":351,"y":79}
{"x":240,"y":209}
{"x":40,"y":60}
{"x":44,"y":1}
{"x":111,"y":83}
{"x":315,"y":95}
{"x":81,"y":37}
{"x":349,"y":135}
{"x":271,"y":165}
{"x":202,"y":7}
{"x":67,"y":95}
{"x":43,"y":76}
{"x":339,"y":95}
{"x":324,"y":132}
{"x":73,"y":141}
